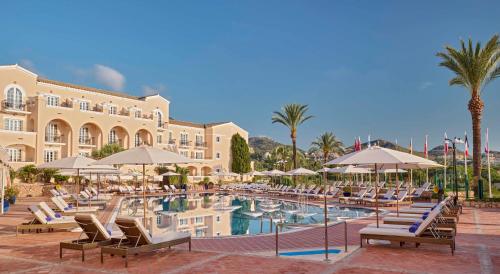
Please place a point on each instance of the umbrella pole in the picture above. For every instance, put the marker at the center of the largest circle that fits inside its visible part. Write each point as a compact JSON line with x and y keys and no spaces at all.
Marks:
{"x":77,"y":186}
{"x":397,"y":191}
{"x":376,"y":193}
{"x":326,"y":216}
{"x":90,"y":184}
{"x":144,"y":191}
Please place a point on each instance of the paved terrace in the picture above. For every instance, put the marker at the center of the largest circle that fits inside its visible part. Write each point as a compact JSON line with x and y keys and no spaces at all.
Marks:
{"x":478,"y":251}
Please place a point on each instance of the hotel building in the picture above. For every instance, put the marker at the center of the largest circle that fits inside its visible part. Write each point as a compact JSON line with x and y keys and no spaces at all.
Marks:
{"x":43,"y":120}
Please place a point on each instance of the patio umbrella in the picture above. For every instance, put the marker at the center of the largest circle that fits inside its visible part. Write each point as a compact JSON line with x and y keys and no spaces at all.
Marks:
{"x":378,"y":157}
{"x":274,"y":173}
{"x":254,"y":173}
{"x":77,"y":163}
{"x":170,"y":173}
{"x":144,"y":155}
{"x":301,"y":171}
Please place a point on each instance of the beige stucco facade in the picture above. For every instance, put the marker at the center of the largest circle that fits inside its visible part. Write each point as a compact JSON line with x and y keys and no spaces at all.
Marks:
{"x":43,"y":120}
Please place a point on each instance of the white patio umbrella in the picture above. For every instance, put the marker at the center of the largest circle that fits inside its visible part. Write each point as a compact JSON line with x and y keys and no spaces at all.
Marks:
{"x":77,"y":163}
{"x":274,"y":172}
{"x":254,"y":173}
{"x":378,"y":157}
{"x":301,"y":172}
{"x":144,"y":155}
{"x":170,"y":173}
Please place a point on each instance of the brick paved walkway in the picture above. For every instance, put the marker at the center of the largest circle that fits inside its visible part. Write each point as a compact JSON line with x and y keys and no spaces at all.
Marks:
{"x":478,"y":251}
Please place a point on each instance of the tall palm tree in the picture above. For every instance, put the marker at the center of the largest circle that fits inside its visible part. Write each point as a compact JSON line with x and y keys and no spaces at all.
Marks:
{"x":292,"y":115}
{"x":328,"y":144}
{"x":474,"y":68}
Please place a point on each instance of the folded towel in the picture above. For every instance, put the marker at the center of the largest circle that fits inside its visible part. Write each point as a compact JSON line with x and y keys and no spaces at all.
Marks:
{"x":109,"y":231}
{"x":414,"y":227}
{"x":432,"y":208}
{"x":66,"y":208}
{"x":48,"y":218}
{"x":58,"y":215}
{"x":70,"y":206}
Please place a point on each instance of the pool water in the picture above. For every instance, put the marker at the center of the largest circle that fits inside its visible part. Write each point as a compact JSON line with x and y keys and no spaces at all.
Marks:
{"x":218,"y":215}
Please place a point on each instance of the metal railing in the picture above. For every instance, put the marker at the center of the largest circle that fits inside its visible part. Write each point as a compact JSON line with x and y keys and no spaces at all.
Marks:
{"x":54,"y":138}
{"x":13,"y":105}
{"x":201,"y":144}
{"x":281,"y":225}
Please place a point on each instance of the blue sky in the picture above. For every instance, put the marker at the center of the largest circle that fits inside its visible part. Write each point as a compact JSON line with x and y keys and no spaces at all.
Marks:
{"x":363,"y":67}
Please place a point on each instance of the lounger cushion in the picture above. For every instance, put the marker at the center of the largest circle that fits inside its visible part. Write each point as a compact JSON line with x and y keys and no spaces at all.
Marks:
{"x":389,"y":226}
{"x":386,"y":231}
{"x":401,"y":219}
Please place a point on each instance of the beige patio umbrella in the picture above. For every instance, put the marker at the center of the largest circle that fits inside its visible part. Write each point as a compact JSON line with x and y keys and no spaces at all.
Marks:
{"x":77,"y":163}
{"x":254,"y":173}
{"x":144,"y":155}
{"x":377,"y":157}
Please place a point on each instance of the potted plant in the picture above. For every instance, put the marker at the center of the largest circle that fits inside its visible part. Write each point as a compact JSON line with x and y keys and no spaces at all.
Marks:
{"x":11,"y":194}
{"x":347,"y":191}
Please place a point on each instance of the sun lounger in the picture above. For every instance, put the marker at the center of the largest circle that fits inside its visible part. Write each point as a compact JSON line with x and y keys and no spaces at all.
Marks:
{"x":41,"y":221}
{"x":137,"y":239}
{"x":394,"y":200}
{"x":387,"y":195}
{"x":56,"y":193}
{"x":96,"y":235}
{"x":416,"y":234}
{"x":66,"y":208}
{"x":54,"y":215}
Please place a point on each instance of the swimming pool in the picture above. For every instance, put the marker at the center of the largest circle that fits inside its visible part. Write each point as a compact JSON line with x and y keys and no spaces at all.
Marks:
{"x":216,"y":215}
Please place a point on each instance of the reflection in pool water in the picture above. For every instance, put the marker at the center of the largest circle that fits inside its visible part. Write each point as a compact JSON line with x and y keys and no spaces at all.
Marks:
{"x":212,"y":215}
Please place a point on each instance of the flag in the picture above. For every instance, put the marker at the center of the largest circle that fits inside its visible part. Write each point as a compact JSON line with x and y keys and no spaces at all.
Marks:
{"x":487,"y":145}
{"x":359,"y":143}
{"x":445,"y":144}
{"x":426,"y":152}
{"x":369,"y":141}
{"x":466,"y":145}
{"x":411,"y":145}
{"x":355,"y":144}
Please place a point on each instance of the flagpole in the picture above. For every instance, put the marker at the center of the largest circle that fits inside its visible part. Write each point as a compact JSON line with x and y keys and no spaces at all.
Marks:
{"x":489,"y":165}
{"x":411,"y":170}
{"x":427,"y":157}
{"x":445,"y":150}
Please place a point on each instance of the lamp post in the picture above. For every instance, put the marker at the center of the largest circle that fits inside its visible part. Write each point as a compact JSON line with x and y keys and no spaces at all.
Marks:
{"x":454,"y":147}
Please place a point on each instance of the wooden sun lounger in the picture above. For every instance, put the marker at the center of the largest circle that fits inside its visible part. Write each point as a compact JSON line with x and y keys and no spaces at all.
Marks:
{"x":96,"y":236}
{"x":39,"y":222}
{"x":403,"y":235}
{"x":136,"y":239}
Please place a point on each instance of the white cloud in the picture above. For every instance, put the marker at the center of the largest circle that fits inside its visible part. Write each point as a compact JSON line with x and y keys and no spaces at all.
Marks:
{"x":109,"y":77}
{"x":104,"y":75}
{"x":152,"y":90}
{"x":425,"y":85}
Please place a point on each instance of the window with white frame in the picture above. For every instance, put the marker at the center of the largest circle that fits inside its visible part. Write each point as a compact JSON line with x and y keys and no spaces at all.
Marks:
{"x":51,"y":133}
{"x":199,"y":140}
{"x":52,"y":101}
{"x":170,"y":137}
{"x":159,"y":139}
{"x":112,"y":138}
{"x":198,"y":220}
{"x":49,"y":155}
{"x":137,"y":139}
{"x":84,"y":153}
{"x":183,"y":221}
{"x":217,"y":155}
{"x":199,"y":232}
{"x":138,"y":113}
{"x":113,"y":110}
{"x":14,"y":98}
{"x":199,"y":155}
{"x":84,"y":137}
{"x":184,"y":139}
{"x":84,"y":105}
{"x":13,"y":124}
{"x":184,"y":153}
{"x":14,"y":154}
{"x":160,"y":119}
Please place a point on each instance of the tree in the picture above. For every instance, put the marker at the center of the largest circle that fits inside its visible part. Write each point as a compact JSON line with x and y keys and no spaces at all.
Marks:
{"x":184,"y":172}
{"x":291,"y":116}
{"x":106,"y":151}
{"x":328,"y":144}
{"x":240,"y":154}
{"x":474,"y":68}
{"x":27,"y":173}
{"x":46,"y":174}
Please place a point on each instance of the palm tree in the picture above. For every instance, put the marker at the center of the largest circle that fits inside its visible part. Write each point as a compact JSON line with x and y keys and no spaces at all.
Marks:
{"x":328,"y":144}
{"x":292,"y":115}
{"x":474,"y":68}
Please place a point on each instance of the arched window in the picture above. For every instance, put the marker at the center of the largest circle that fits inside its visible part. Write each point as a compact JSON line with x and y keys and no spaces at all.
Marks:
{"x":112,"y":137}
{"x":51,"y":133}
{"x":14,"y":98}
{"x":160,"y":119}
{"x":84,"y":135}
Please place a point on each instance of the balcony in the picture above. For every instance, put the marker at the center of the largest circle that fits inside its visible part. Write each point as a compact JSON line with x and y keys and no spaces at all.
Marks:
{"x":184,"y":143}
{"x":54,"y":139}
{"x":86,"y":142}
{"x":201,"y":145}
{"x":14,"y":107}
